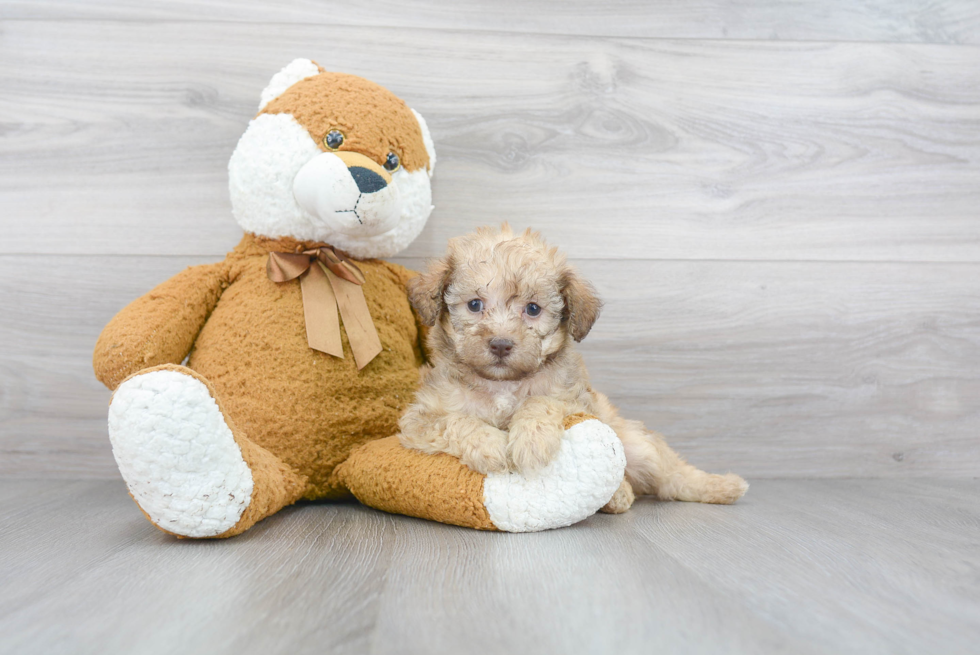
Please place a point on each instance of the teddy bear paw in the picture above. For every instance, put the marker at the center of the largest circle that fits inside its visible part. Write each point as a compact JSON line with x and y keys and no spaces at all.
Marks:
{"x":581,"y":479}
{"x":177,"y":454}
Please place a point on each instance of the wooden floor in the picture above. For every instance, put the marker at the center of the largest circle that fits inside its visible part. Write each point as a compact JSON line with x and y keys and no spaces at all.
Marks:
{"x":829,"y":566}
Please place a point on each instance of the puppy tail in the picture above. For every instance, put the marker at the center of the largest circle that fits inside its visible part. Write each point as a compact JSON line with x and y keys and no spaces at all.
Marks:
{"x":653,"y":468}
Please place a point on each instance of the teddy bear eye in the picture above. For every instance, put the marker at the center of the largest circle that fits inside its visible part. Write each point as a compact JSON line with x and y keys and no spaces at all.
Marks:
{"x":392,"y":162}
{"x":334,"y":139}
{"x":475,"y":305}
{"x":532,"y":309}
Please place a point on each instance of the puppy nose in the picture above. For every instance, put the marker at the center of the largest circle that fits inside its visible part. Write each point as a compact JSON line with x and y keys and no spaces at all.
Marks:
{"x":367,"y":181}
{"x":501,"y":347}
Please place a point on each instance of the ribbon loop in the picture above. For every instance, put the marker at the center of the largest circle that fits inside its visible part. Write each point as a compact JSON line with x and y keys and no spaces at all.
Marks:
{"x":286,"y":266}
{"x":340,"y":265}
{"x":330,"y":281}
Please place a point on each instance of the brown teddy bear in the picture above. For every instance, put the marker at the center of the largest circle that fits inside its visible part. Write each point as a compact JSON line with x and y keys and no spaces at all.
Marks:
{"x":237,"y":390}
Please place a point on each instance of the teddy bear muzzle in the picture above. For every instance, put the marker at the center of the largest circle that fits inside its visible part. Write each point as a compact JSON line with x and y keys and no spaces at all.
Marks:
{"x":349,"y":193}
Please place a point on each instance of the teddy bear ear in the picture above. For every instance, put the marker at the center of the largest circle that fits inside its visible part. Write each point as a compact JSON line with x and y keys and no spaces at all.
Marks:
{"x":430,"y":149}
{"x":298,"y":69}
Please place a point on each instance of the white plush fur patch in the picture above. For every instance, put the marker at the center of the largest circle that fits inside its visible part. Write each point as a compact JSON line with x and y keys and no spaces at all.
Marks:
{"x":583,"y":477}
{"x":260,"y":177}
{"x":177,"y":454}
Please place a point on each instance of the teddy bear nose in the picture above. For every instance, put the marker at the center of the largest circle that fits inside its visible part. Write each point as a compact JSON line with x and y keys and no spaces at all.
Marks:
{"x":367,"y":181}
{"x":501,"y":347}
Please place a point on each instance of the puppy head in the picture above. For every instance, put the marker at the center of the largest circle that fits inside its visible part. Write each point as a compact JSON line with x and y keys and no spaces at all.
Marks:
{"x":502,"y":304}
{"x":333,"y":158}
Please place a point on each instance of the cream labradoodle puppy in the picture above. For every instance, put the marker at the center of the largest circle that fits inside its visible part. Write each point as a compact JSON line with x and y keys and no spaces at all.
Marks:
{"x":504,"y":311}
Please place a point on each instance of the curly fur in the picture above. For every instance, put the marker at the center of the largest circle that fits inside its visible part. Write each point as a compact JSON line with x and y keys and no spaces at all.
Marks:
{"x":501,"y":408}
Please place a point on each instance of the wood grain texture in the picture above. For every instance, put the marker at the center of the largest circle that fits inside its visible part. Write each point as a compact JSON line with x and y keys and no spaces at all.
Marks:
{"x":948,"y":21}
{"x":769,"y":369}
{"x":843,"y":566}
{"x":53,"y":411}
{"x":116,"y":137}
{"x":863,"y":369}
{"x":785,"y":228}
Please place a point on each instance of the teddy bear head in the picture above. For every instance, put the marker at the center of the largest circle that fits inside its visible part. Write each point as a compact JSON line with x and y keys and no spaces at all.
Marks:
{"x":333,"y":158}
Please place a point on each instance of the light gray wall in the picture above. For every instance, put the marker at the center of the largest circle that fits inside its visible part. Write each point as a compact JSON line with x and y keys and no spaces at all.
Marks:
{"x":778,"y":201}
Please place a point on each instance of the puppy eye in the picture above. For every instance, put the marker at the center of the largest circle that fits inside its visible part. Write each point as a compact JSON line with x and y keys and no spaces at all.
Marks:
{"x":475,"y":305}
{"x":532,"y":309}
{"x":392,"y":162}
{"x":334,"y":139}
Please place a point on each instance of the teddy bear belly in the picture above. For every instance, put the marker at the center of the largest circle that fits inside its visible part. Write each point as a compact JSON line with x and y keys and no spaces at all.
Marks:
{"x":306,"y":407}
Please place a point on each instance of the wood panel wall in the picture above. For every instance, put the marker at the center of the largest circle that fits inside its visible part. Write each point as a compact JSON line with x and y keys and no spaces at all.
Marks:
{"x":779,"y":201}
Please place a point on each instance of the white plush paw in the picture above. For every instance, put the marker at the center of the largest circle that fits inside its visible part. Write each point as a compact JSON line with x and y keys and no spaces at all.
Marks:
{"x":177,"y":454}
{"x":583,"y":477}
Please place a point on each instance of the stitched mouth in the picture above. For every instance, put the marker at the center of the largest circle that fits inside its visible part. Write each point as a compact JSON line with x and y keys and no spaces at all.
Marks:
{"x":354,"y":210}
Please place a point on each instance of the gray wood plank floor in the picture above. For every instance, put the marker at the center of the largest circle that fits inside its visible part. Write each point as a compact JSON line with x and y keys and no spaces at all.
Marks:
{"x":833,"y":566}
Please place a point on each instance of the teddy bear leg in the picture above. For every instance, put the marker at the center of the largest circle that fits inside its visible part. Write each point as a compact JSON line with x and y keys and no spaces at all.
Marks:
{"x":582,"y":478}
{"x":186,"y":466}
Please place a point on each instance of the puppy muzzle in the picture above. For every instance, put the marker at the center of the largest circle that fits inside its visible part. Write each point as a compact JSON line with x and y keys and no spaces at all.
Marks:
{"x":348,"y":193}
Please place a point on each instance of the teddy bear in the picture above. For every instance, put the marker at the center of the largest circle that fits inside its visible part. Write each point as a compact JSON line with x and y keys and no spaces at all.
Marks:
{"x":279,"y":374}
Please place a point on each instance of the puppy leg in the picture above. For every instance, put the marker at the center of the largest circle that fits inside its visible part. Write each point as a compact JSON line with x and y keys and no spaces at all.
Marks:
{"x":621,"y":501}
{"x":535,"y":433}
{"x":653,"y":468}
{"x":478,"y":445}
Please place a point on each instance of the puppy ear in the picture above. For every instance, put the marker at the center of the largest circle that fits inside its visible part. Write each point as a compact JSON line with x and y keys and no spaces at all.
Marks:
{"x":582,"y":305}
{"x":425,"y":291}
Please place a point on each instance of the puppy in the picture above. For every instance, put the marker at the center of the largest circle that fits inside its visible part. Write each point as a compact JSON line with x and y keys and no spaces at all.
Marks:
{"x":504,"y":311}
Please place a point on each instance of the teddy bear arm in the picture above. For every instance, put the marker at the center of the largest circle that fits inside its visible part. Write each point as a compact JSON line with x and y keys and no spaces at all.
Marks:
{"x":583,"y":478}
{"x":385,"y":475}
{"x":159,"y":327}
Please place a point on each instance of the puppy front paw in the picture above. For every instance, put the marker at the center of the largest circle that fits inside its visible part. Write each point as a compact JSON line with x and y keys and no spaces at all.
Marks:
{"x":485,"y":450}
{"x":533,"y":445}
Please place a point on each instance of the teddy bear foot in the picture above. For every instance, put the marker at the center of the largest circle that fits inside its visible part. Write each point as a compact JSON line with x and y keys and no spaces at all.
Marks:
{"x":582,"y":478}
{"x":178,"y":455}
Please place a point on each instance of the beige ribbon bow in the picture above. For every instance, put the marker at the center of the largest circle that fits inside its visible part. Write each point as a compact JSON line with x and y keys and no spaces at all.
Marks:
{"x":329,"y":282}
